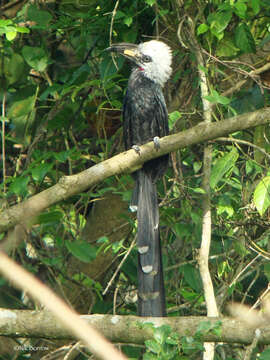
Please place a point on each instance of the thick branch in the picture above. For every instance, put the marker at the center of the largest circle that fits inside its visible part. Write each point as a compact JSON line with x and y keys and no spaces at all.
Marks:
{"x":122,"y":329}
{"x":126,"y":162}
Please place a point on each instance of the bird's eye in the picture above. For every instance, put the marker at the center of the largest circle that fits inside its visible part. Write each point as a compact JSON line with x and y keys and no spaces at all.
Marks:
{"x":146,"y":58}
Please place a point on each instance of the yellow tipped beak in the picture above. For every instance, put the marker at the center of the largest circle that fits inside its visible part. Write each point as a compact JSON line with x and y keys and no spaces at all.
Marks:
{"x":128,"y":52}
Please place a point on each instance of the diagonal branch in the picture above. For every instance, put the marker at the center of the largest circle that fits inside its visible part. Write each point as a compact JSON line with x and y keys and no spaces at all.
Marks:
{"x":127,"y":161}
{"x":65,"y":316}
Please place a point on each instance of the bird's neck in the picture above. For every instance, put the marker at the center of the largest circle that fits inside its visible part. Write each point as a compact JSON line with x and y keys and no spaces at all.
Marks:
{"x":139,"y":77}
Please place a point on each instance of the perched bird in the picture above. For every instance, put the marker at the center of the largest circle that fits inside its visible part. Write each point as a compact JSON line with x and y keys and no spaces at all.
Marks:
{"x":145,"y":118}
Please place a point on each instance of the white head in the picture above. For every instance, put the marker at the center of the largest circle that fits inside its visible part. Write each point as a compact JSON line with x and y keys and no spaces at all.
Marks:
{"x":153,"y":58}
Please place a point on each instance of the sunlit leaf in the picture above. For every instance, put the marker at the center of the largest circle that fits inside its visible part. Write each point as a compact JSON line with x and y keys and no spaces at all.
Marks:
{"x":261,"y":195}
{"x":202,"y":29}
{"x":173,"y":117}
{"x":10,"y":35}
{"x":222,"y":166}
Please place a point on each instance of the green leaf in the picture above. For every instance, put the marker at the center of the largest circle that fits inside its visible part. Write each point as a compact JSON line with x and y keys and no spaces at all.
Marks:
{"x":22,"y":107}
{"x":153,"y":346}
{"x":192,"y":277}
{"x":188,"y":294}
{"x":10,"y":35}
{"x":203,"y":28}
{"x":218,"y":22}
{"x":225,"y":206}
{"x":222,"y":166}
{"x":216,"y":98}
{"x":40,"y":17}
{"x":149,"y":356}
{"x":107,"y":67}
{"x":150,"y":2}
{"x":103,"y":240}
{"x":128,"y":21}
{"x":261,"y":195}
{"x":39,"y":172}
{"x":173,"y":117}
{"x":266,"y":270}
{"x":161,"y":333}
{"x":19,"y":186}
{"x":62,"y":156}
{"x":226,"y":47}
{"x":240,"y":9}
{"x":22,"y":29}
{"x":35,"y":57}
{"x":198,"y":190}
{"x":255,"y":6}
{"x":14,"y":68}
{"x":130,"y":35}
{"x":4,"y":23}
{"x":244,"y":39}
{"x":81,"y":250}
{"x":50,"y":217}
{"x":197,"y":165}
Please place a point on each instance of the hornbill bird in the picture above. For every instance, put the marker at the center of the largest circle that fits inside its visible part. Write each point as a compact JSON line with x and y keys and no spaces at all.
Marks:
{"x":145,"y":118}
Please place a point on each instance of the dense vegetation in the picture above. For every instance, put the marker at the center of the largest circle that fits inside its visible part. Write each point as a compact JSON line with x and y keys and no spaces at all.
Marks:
{"x":61,"y":97}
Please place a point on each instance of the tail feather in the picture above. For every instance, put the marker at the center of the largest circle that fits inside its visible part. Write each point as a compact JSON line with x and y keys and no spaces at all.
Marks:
{"x":151,"y":293}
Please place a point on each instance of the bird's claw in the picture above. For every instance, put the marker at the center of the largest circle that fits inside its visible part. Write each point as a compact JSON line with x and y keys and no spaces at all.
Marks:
{"x":137,"y":149}
{"x":156,"y":143}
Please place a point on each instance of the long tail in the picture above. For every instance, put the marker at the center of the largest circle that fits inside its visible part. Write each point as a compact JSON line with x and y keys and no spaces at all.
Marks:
{"x":151,"y":292}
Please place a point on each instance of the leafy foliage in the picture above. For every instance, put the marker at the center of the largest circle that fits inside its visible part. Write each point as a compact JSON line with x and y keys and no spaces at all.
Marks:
{"x":167,"y":345}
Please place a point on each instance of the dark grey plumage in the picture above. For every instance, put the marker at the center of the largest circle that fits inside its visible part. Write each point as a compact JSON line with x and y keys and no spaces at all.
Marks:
{"x":145,"y":117}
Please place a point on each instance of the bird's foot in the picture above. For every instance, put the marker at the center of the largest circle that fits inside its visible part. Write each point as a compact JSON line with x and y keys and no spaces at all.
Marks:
{"x":133,"y":208}
{"x":137,"y":149}
{"x":156,"y":143}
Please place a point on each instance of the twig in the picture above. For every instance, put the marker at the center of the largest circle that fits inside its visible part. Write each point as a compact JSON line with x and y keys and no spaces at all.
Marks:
{"x":115,"y":299}
{"x":262,"y":297}
{"x":119,"y":266}
{"x":111,"y":28}
{"x":10,"y":4}
{"x":243,"y":270}
{"x":253,"y":344}
{"x":244,"y":142}
{"x":3,"y":140}
{"x":242,"y":82}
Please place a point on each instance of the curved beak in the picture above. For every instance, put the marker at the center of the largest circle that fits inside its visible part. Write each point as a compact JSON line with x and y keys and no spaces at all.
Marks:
{"x":130,"y":51}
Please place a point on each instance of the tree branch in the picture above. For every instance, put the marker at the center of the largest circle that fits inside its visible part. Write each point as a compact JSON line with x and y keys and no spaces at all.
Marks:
{"x":123,"y":329}
{"x":128,"y":161}
{"x":203,"y":258}
{"x":65,"y":316}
